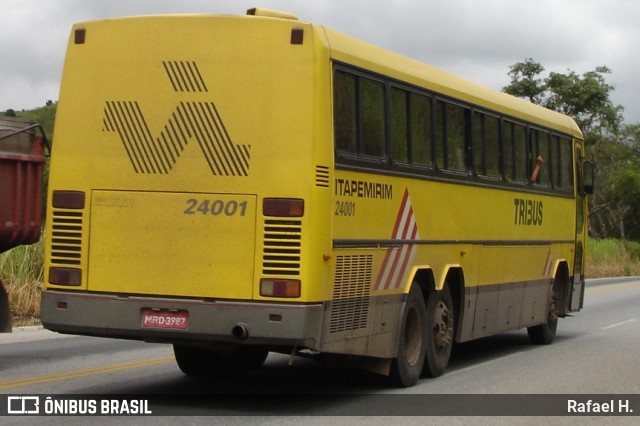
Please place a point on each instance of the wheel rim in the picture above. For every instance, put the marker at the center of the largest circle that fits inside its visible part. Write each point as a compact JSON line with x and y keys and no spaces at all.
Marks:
{"x":442,"y":328}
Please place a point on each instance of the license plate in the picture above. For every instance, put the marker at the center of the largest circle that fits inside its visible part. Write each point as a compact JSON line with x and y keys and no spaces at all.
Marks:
{"x":175,"y":320}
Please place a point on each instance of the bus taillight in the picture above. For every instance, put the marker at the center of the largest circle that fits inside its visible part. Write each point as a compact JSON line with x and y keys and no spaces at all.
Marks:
{"x":283,"y":207}
{"x":65,"y":276}
{"x":68,"y":199}
{"x":270,"y":287}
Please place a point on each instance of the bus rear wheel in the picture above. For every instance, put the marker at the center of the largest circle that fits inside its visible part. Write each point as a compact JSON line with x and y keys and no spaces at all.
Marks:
{"x":224,"y":361}
{"x":407,"y":366}
{"x":439,"y":332}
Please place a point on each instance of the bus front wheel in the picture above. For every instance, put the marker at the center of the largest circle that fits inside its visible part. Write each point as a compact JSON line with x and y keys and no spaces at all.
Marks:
{"x":545,"y":333}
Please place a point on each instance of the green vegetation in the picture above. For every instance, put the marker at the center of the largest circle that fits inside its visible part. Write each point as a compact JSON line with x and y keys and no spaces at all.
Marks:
{"x":612,"y":258}
{"x":44,"y":116}
{"x":21,"y":270}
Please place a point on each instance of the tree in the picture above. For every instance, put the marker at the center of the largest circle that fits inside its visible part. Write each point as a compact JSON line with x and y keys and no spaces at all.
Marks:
{"x":10,"y":113}
{"x":584,"y":97}
{"x":525,"y":82}
{"x":625,"y":179}
{"x":611,"y":205}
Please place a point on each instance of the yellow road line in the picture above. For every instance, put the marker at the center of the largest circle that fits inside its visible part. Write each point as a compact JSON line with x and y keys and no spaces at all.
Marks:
{"x":84,"y":372}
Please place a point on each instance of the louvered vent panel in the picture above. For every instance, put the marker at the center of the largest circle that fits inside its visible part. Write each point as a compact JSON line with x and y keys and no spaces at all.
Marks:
{"x":322,"y":176}
{"x":351,"y":291}
{"x":66,"y":238}
{"x":282,"y":247}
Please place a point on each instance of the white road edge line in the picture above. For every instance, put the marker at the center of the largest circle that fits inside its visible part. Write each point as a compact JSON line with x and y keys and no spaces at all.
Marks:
{"x":618,"y":324}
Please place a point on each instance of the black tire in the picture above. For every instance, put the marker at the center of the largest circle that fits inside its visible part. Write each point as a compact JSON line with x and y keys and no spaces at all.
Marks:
{"x":440,"y":328}
{"x":228,"y":361}
{"x":5,"y":312}
{"x":407,"y":366}
{"x":545,"y":333}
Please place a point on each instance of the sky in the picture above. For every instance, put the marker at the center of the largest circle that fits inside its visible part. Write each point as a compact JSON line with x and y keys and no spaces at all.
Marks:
{"x":476,"y":39}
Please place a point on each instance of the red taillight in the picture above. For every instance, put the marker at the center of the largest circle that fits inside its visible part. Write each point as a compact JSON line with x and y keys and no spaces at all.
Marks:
{"x":270,"y":287}
{"x":65,"y":276}
{"x":68,"y":199}
{"x":283,"y":207}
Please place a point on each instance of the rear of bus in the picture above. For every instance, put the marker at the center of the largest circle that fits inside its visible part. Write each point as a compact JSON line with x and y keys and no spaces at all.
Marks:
{"x":189,"y":153}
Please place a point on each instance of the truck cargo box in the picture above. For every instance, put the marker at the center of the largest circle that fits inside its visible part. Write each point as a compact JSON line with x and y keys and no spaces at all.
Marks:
{"x":21,"y":166}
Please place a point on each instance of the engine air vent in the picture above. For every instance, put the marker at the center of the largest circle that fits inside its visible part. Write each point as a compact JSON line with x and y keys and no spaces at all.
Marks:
{"x":351,"y":293}
{"x":282,"y":247}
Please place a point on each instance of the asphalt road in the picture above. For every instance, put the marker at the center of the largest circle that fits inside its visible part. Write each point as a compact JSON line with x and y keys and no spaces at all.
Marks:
{"x":595,"y":352}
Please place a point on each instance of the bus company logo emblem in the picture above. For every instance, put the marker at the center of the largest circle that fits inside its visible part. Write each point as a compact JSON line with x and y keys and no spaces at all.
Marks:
{"x":397,"y":261}
{"x":190,"y":120}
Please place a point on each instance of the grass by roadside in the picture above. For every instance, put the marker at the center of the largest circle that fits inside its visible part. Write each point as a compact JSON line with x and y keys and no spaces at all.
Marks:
{"x":21,"y":270}
{"x":612,"y":258}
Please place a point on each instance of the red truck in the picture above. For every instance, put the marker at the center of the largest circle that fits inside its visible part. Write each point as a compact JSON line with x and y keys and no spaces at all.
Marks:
{"x":22,"y":158}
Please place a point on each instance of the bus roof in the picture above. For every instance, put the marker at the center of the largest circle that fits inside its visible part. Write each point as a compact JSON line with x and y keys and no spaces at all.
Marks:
{"x":358,"y":53}
{"x":355,"y":52}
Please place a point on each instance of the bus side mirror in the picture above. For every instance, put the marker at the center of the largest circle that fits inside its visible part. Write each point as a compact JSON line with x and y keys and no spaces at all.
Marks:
{"x":588,"y":178}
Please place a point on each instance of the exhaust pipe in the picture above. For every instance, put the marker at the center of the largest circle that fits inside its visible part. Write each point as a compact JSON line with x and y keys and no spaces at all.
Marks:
{"x":240,"y":331}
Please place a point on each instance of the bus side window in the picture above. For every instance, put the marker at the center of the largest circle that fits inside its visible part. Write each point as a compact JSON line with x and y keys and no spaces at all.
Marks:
{"x":399,"y":125}
{"x":344,"y":112}
{"x":566,"y":164}
{"x":509,"y":155}
{"x":372,"y":105}
{"x":421,"y":110}
{"x":545,"y":152}
{"x":556,"y":174}
{"x":562,"y":164}
{"x":540,"y":148}
{"x":479,"y":154}
{"x":492,"y":146}
{"x":521,"y":153}
{"x":410,"y":127}
{"x":451,"y":136}
{"x":516,"y":154}
{"x":486,"y":145}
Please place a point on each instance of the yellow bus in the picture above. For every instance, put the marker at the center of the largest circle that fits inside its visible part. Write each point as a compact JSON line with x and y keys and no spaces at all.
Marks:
{"x":235,"y":185}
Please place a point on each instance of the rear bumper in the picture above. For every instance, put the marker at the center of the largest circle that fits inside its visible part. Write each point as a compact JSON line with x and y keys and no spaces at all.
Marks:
{"x":209,"y":321}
